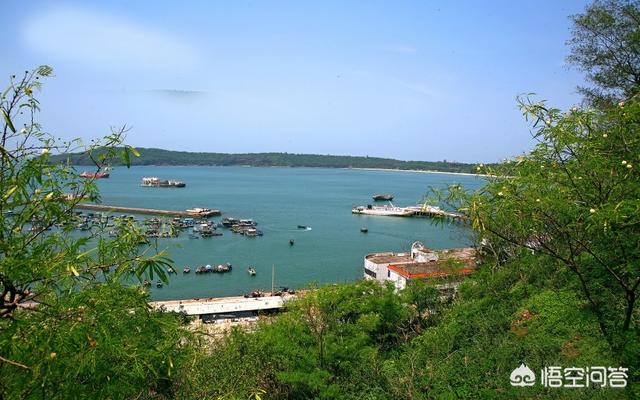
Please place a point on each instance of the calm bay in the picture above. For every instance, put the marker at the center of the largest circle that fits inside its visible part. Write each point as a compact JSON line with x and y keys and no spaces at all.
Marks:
{"x":280,"y":199}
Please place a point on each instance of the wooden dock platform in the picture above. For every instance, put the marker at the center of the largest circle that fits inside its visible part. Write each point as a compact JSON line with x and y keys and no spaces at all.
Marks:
{"x":194,"y":213}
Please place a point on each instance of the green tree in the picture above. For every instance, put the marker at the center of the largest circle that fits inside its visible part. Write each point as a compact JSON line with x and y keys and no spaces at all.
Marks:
{"x":605,"y":44}
{"x":574,"y":198}
{"x":69,"y":327}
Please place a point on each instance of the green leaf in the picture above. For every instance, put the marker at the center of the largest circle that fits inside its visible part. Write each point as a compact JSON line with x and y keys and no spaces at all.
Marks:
{"x":124,"y":156}
{"x":44,"y":70}
{"x":7,"y":120}
{"x":134,"y":151}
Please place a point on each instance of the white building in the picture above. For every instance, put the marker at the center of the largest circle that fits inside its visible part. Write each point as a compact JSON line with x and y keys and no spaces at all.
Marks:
{"x":420,"y":263}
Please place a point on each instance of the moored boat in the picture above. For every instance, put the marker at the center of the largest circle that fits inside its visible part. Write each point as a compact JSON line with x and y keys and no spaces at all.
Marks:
{"x":223,"y":268}
{"x":186,"y":270}
{"x":251,"y":271}
{"x":382,"y":197}
{"x":229,"y":222}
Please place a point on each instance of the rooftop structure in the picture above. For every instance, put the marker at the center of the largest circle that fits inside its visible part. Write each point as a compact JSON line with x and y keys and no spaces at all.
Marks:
{"x":420,"y":263}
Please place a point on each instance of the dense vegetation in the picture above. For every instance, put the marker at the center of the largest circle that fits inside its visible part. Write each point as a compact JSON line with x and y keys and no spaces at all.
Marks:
{"x":168,"y":157}
{"x":68,"y":327}
{"x":558,"y":283}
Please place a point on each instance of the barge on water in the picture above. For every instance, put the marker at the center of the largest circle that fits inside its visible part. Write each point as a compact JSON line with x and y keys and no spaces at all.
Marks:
{"x":154,"y":181}
{"x":423,"y":210}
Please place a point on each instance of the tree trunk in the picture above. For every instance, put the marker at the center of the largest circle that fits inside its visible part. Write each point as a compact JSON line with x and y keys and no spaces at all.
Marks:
{"x":631,"y":300}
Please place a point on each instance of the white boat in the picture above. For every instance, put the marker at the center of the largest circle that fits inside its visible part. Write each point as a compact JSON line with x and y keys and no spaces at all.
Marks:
{"x":386,"y":210}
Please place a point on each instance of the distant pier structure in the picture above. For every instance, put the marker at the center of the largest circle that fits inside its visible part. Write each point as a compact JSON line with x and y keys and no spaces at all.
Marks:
{"x":192,"y":212}
{"x":432,"y":211}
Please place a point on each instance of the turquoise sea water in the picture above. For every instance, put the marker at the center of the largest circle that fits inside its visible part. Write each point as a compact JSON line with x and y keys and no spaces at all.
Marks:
{"x":280,"y":199}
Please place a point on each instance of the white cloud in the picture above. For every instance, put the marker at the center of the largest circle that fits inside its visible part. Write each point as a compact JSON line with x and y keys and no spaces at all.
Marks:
{"x":96,"y":39}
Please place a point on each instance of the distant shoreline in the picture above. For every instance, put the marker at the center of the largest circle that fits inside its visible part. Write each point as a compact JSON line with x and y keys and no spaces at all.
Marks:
{"x":423,"y":171}
{"x":152,"y":156}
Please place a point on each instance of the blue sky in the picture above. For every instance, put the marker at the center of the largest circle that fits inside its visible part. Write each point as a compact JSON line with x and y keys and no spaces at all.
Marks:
{"x":409,"y":80}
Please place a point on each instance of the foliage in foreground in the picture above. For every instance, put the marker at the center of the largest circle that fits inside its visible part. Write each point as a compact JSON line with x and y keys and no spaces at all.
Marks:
{"x":576,"y":199}
{"x":68,"y":326}
{"x":363,"y":341}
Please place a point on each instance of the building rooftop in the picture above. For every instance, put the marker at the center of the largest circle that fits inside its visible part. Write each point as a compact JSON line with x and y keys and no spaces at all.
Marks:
{"x":389,"y":258}
{"x":451,"y":262}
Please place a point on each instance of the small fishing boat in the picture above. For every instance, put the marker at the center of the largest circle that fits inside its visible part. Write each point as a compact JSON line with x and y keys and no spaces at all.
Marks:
{"x":255,"y":293}
{"x":382,"y":197}
{"x":186,"y":270}
{"x":291,"y":242}
{"x":223,"y":268}
{"x":146,"y":283}
{"x":171,"y":270}
{"x":251,"y":271}
{"x":364,"y":230}
{"x":159,"y":284}
{"x":229,"y":222}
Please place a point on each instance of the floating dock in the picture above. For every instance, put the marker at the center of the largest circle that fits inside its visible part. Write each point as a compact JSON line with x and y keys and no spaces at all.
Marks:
{"x":194,"y":213}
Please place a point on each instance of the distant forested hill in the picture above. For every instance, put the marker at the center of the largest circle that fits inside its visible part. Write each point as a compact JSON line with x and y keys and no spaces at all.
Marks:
{"x":167,"y":157}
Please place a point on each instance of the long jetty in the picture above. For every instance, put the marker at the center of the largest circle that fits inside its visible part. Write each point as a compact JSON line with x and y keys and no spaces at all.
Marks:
{"x":195,"y":213}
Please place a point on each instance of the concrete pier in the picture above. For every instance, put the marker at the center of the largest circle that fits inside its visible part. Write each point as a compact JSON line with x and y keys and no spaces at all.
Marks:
{"x":218,"y":306}
{"x":194,"y":213}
